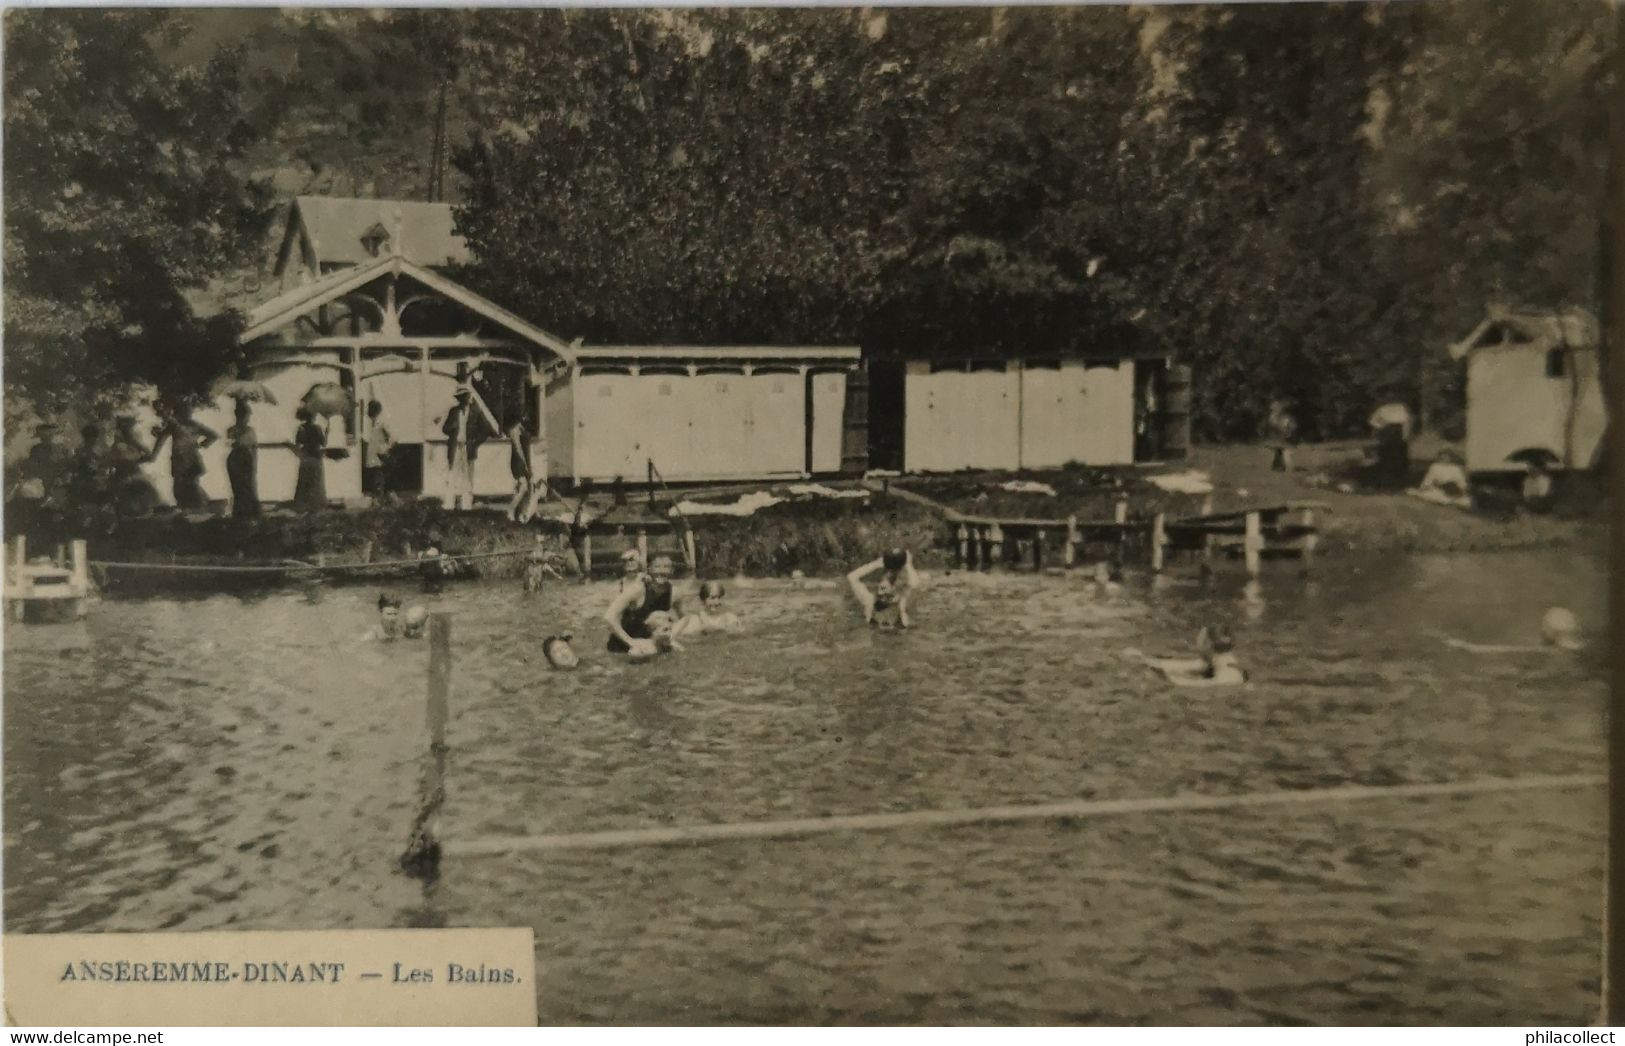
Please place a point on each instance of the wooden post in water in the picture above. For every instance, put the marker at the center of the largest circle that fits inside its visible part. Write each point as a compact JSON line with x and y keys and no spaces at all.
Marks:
{"x":1069,"y":555}
{"x":1252,"y":546}
{"x":1207,"y":539}
{"x":962,"y":536}
{"x":422,"y":856}
{"x":643,"y":547}
{"x":586,"y":556}
{"x":1310,"y":540}
{"x":689,"y":552}
{"x":61,"y":556}
{"x":1038,"y":550}
{"x":995,"y":537}
{"x":1120,"y":513}
{"x":22,"y":573}
{"x":1157,"y":540}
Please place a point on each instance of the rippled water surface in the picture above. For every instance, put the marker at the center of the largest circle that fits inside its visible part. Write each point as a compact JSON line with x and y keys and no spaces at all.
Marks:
{"x":246,"y":763}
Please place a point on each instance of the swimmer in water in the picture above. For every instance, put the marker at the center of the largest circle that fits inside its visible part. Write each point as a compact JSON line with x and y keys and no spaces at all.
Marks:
{"x":559,"y":653}
{"x":1559,"y":632}
{"x":388,"y":627}
{"x":887,"y":606}
{"x":639,"y":599}
{"x":1106,"y":580}
{"x":415,"y":623}
{"x":711,"y":616}
{"x":660,"y":640}
{"x":1215,"y":665}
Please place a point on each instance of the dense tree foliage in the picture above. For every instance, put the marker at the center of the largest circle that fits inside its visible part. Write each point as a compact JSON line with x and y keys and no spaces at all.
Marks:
{"x":121,"y":202}
{"x":1305,"y":202}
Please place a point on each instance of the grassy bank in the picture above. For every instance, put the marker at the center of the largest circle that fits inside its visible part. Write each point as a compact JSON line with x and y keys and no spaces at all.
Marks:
{"x":828,"y":536}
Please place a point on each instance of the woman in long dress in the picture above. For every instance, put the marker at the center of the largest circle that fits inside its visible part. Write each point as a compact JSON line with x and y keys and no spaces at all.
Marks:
{"x":187,"y":438}
{"x":310,"y":442}
{"x":242,"y":465}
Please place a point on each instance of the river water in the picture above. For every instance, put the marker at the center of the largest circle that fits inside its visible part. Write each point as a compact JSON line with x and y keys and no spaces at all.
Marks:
{"x":247,"y":763}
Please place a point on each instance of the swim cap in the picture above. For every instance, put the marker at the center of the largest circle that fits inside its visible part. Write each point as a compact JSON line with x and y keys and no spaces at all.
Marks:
{"x":417,"y":617}
{"x":1560,"y":628}
{"x":895,"y":559}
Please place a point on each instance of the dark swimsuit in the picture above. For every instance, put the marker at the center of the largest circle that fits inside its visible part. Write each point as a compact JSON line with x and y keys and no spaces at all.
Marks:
{"x":635,"y":620}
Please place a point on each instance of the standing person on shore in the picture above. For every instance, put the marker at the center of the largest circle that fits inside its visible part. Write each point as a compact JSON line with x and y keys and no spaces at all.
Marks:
{"x":886,"y":607}
{"x":465,"y":428}
{"x":310,"y":443}
{"x":523,"y":505}
{"x":135,"y":495}
{"x":377,"y":443}
{"x":242,"y":465}
{"x":629,"y":612}
{"x":187,"y":439}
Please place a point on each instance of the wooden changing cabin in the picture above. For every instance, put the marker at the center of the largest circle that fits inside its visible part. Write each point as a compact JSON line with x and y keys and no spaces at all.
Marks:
{"x":1033,"y":412}
{"x":393,"y":331}
{"x":700,"y":413}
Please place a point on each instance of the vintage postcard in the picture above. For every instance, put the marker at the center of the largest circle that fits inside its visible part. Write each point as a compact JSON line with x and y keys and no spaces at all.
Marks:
{"x":885,"y":515}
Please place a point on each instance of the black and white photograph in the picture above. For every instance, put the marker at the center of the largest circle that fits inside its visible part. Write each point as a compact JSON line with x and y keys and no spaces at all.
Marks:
{"x":864,"y":516}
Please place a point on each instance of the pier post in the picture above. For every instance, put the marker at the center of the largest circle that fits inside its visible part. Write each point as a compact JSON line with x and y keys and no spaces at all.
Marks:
{"x":1157,"y":540}
{"x":21,"y":580}
{"x":995,"y":537}
{"x":1310,"y":540}
{"x":978,"y":548}
{"x":643,"y":546}
{"x":1252,"y":547}
{"x":81,"y":567}
{"x":1038,"y":550}
{"x":61,"y":556}
{"x":1069,"y":554}
{"x":422,"y":857}
{"x":1120,"y":512}
{"x":689,"y":552}
{"x":1207,"y":539}
{"x":962,"y":536}
{"x":586,"y":556}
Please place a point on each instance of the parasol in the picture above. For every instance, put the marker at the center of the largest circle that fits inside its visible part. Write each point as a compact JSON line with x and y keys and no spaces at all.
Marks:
{"x":244,"y":389}
{"x":328,"y":399}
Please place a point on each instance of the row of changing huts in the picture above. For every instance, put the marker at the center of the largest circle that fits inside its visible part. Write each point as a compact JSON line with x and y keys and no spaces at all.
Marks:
{"x":364,"y":303}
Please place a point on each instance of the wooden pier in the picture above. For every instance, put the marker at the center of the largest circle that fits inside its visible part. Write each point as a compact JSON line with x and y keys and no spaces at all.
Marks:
{"x":47,"y":588}
{"x":1254,"y":533}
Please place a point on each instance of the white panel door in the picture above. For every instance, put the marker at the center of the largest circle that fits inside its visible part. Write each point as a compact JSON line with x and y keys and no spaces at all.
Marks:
{"x":828,"y":420}
{"x":986,"y":424}
{"x":606,"y":418}
{"x":1050,"y":426}
{"x":719,"y":430}
{"x":778,"y":430}
{"x":929,"y":401}
{"x":1108,"y":414}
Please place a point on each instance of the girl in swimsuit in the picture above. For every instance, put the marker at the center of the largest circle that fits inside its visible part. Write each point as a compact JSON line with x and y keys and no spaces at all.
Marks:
{"x":886,"y":607}
{"x":711,"y":617}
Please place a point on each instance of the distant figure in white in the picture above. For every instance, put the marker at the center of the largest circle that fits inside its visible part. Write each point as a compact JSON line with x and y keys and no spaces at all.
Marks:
{"x":1559,"y":632}
{"x":886,"y":607}
{"x":1214,"y":665}
{"x":1445,"y":482}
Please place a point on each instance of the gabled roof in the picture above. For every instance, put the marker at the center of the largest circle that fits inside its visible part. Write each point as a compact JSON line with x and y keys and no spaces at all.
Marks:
{"x":329,"y":231}
{"x":1575,"y":328}
{"x":288,"y":306}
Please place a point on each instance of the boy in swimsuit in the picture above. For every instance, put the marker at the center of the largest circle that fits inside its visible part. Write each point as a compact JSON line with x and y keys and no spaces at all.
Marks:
{"x":886,"y":607}
{"x":1215,"y":665}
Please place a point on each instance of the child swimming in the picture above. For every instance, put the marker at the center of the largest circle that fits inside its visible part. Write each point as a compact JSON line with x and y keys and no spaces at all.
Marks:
{"x":1559,"y":633}
{"x":1214,"y":665}
{"x":660,"y":639}
{"x":886,"y":607}
{"x":414,"y":623}
{"x":710,"y":617}
{"x":559,"y":654}
{"x":388,"y":627}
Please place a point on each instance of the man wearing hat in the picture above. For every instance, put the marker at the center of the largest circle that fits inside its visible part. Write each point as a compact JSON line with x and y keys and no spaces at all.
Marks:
{"x":465,"y":429}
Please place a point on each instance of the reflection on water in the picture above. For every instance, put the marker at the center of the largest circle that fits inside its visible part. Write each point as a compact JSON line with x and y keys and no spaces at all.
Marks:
{"x":248,"y":763}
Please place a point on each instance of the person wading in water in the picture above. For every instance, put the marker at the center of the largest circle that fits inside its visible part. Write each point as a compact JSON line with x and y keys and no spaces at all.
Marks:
{"x":628,"y":614}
